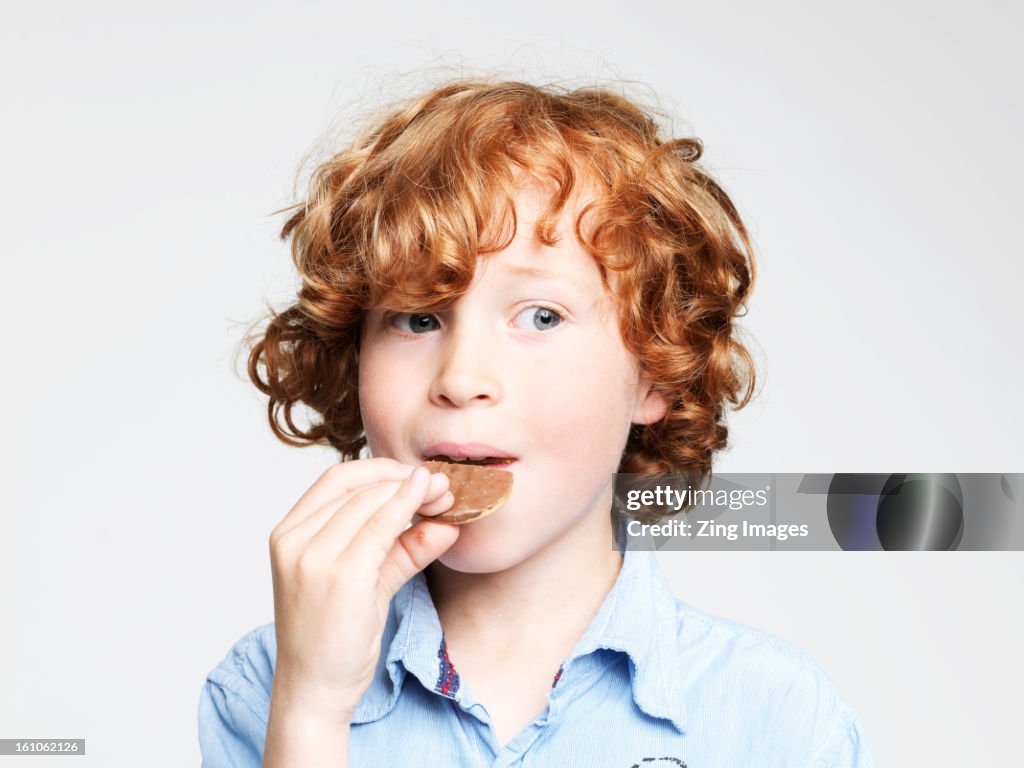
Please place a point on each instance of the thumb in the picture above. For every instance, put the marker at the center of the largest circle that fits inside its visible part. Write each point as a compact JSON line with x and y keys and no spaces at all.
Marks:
{"x":414,"y":550}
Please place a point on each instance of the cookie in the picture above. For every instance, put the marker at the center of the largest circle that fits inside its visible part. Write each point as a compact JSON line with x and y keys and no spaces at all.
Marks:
{"x":479,"y":490}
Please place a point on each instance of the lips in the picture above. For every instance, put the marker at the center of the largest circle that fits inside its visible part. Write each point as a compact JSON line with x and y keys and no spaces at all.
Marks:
{"x":468,"y":453}
{"x":485,"y":462}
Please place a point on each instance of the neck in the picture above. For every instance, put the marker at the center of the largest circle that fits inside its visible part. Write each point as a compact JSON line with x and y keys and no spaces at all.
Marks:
{"x":554,"y":594}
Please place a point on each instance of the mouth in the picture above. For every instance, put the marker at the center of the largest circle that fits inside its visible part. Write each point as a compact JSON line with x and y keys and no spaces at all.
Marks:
{"x":485,"y":461}
{"x":475,"y":454}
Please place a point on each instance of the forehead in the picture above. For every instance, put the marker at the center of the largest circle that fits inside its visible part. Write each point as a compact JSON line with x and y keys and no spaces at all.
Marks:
{"x":563,"y":272}
{"x":532,"y":244}
{"x":544,"y":247}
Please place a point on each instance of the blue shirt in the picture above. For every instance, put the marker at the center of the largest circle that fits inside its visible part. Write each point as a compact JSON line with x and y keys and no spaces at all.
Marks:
{"x":653,"y":682}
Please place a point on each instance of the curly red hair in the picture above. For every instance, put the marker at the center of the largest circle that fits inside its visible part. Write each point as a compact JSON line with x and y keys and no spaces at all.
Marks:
{"x":402,"y":214}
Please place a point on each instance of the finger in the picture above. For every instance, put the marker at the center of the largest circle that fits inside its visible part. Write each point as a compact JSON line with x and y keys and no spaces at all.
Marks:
{"x":342,"y":527}
{"x":415,"y":549}
{"x":340,"y":480}
{"x":309,"y":527}
{"x":441,"y":504}
{"x":374,"y":541}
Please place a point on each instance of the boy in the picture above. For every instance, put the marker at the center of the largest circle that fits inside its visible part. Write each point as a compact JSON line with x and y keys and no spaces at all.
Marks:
{"x":531,"y":277}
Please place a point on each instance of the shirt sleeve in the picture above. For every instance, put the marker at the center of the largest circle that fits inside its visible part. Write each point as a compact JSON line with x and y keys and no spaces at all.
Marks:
{"x":808,"y":720}
{"x":848,"y":748}
{"x":234,"y":706}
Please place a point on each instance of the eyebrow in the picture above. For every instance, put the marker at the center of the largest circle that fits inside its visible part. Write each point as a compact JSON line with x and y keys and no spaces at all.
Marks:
{"x":544,"y":274}
{"x":541,"y":273}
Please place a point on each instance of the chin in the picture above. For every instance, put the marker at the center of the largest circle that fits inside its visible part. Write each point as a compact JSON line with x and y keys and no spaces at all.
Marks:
{"x":478,"y":560}
{"x":479,"y":551}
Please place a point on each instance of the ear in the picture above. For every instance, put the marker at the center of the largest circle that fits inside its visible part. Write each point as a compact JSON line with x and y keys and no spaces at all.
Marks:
{"x":650,"y":405}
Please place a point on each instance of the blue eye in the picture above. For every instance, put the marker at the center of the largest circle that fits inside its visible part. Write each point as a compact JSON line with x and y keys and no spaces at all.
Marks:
{"x":544,"y":318}
{"x":415,"y":322}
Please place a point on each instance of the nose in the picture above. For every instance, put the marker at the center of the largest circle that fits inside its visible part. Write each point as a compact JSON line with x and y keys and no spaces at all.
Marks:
{"x":468,"y":372}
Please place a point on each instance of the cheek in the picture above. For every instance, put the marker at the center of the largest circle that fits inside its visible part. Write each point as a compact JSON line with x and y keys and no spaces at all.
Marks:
{"x":379,"y":398}
{"x":588,"y":390}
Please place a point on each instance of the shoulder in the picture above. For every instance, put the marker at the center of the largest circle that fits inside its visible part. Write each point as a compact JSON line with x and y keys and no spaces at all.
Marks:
{"x":234,"y":705}
{"x":246,"y":674}
{"x":730,"y":647}
{"x":766,"y":688}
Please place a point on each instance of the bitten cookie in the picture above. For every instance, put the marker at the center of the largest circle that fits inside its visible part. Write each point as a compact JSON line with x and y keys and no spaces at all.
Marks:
{"x":479,"y":491}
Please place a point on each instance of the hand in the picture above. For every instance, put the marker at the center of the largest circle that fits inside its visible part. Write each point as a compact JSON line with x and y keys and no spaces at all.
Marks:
{"x":337,"y":559}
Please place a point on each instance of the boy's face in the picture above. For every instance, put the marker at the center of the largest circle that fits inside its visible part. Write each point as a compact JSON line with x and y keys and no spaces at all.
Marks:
{"x":528,"y":362}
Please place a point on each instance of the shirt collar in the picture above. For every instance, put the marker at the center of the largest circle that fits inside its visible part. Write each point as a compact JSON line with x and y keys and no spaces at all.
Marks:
{"x":638,"y":618}
{"x":411,"y":638}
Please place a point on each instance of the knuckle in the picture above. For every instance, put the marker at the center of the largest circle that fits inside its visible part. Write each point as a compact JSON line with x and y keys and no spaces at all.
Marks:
{"x":376,"y":495}
{"x":375,"y":527}
{"x":335,"y":472}
{"x":281,"y":551}
{"x":308,"y":564}
{"x":379,"y":535}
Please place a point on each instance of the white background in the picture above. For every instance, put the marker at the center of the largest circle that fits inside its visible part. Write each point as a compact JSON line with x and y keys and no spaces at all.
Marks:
{"x":872,"y":147}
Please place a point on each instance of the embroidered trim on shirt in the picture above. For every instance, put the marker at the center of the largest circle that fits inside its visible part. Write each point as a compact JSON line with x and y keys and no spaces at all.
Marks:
{"x":447,"y":678}
{"x":558,"y":676}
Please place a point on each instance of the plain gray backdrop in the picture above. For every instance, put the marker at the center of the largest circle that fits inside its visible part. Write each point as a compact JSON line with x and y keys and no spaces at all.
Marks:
{"x":872,"y":148}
